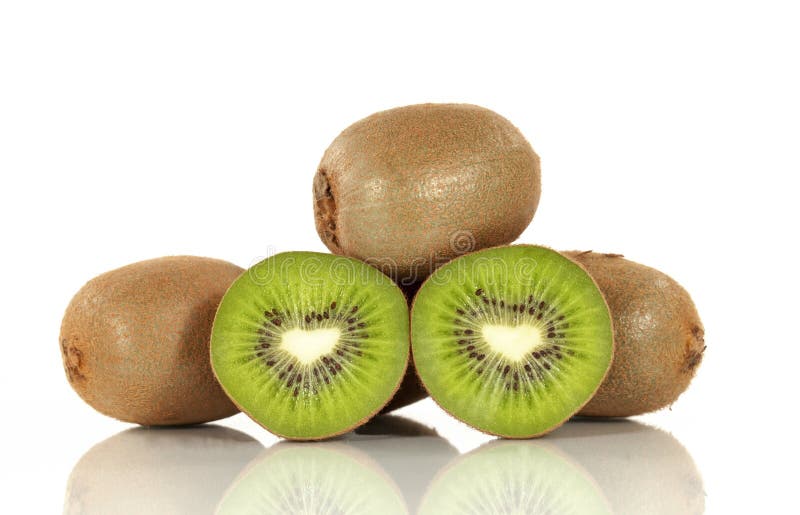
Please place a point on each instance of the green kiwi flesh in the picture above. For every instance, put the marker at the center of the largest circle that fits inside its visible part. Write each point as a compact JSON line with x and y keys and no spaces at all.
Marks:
{"x":511,"y":340}
{"x":311,"y":345}
{"x":409,"y":188}
{"x":514,"y":477}
{"x":659,"y":337}
{"x":312,"y":478}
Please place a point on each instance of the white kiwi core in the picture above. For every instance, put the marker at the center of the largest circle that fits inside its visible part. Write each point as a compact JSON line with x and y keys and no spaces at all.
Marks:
{"x":513,"y":342}
{"x":309,"y":345}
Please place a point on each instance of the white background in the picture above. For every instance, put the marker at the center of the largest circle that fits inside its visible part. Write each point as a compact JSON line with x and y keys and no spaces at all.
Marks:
{"x":131,"y":130}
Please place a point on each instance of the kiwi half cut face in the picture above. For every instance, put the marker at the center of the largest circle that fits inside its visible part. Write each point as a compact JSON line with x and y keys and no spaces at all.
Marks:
{"x":311,"y":345}
{"x":511,"y":340}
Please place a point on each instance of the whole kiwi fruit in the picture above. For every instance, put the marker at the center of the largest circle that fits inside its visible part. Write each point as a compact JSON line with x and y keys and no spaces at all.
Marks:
{"x":658,"y":335}
{"x":135,"y":341}
{"x":410,"y":188}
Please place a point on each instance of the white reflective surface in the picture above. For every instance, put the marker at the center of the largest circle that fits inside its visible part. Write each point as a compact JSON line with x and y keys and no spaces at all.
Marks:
{"x":392,"y":465}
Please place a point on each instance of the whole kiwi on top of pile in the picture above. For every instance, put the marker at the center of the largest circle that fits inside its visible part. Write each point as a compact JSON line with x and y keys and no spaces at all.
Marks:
{"x":423,"y":294}
{"x":410,"y":188}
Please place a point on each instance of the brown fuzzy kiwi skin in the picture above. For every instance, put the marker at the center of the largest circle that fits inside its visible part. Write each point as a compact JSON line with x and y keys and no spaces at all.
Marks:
{"x":567,"y":418}
{"x":410,"y":188}
{"x":658,"y":335}
{"x":135,"y":341}
{"x":411,"y":389}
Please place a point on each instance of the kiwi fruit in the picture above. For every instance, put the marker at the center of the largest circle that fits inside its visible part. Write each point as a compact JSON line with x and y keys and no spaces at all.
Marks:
{"x":658,"y":333}
{"x":515,"y":477}
{"x":410,"y":188}
{"x":424,"y":453}
{"x":411,"y":389}
{"x":135,"y":341}
{"x":511,"y":340}
{"x":165,"y":470}
{"x":321,"y":477}
{"x":409,"y":392}
{"x":640,"y":469}
{"x":311,"y":345}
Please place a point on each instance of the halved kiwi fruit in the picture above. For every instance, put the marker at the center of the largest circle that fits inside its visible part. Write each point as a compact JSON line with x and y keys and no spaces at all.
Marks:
{"x":511,"y":340}
{"x":514,"y":477}
{"x":324,"y":477}
{"x":311,"y":345}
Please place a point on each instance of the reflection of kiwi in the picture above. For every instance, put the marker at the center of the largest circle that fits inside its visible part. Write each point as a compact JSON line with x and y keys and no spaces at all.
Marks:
{"x":312,"y":478}
{"x":412,"y":187}
{"x":511,"y":340}
{"x":135,"y":341}
{"x":181,"y":470}
{"x":640,"y":469}
{"x":311,"y":345}
{"x":658,"y":335}
{"x":514,"y":477}
{"x":410,"y":452}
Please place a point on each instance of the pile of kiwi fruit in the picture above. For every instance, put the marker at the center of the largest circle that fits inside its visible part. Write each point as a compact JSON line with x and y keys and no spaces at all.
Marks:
{"x":423,"y":293}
